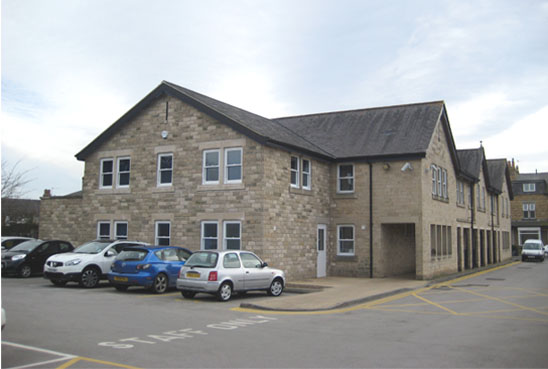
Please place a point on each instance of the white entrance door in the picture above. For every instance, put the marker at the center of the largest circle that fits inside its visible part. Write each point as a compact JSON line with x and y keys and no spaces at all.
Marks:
{"x":321,"y":246}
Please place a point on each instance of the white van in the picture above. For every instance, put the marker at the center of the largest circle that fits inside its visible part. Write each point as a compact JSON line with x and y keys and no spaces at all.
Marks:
{"x":532,"y":250}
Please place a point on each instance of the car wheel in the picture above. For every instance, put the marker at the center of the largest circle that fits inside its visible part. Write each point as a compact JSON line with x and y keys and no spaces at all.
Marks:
{"x":58,"y":283}
{"x":120,"y":287}
{"x":225,"y":292}
{"x":89,"y":278}
{"x":25,"y":271}
{"x":160,"y":283}
{"x":276,"y":287}
{"x":188,"y":294}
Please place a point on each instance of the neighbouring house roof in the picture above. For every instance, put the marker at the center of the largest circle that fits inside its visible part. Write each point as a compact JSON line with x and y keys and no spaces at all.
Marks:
{"x":543,"y":176}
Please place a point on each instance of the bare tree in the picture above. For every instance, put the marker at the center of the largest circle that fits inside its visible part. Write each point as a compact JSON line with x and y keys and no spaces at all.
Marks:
{"x":13,"y":180}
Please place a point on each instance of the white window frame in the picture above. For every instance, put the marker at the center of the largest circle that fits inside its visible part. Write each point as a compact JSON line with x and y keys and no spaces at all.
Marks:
{"x":203,"y":238}
{"x":226,"y":180}
{"x":339,"y":178}
{"x":226,"y":238}
{"x":99,"y":235}
{"x":307,"y":174}
{"x":460,"y":193}
{"x":295,"y":171}
{"x":339,"y":240}
{"x":529,"y":207}
{"x":157,"y":237}
{"x":102,"y":173}
{"x":440,"y":193}
{"x":160,"y":170}
{"x":529,"y":187}
{"x":205,"y":167}
{"x":119,"y":172}
{"x":116,"y":234}
{"x":434,"y":170}
{"x":444,"y":183}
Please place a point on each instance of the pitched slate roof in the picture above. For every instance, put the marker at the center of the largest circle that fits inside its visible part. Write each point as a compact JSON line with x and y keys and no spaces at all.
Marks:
{"x":385,"y":131}
{"x":255,"y":126}
{"x":471,"y":161}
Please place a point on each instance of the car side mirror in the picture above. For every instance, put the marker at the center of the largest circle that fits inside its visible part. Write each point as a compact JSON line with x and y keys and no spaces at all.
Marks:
{"x":110,"y":253}
{"x":264,"y":264}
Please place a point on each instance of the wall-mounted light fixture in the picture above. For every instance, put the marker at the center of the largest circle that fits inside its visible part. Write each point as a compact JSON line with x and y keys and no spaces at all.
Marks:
{"x":407,"y":166}
{"x":386,"y":166}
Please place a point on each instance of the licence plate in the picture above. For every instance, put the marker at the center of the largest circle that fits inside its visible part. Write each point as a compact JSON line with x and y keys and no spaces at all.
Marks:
{"x":192,"y":275}
{"x":51,"y":269}
{"x":120,"y":279}
{"x":531,"y":256}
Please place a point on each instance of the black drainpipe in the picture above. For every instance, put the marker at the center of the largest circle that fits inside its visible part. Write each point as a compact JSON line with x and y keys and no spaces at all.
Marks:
{"x":471,"y":249}
{"x":370,"y":220}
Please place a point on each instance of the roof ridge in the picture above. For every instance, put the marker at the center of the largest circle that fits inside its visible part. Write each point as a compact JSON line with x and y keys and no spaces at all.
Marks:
{"x":361,"y":109}
{"x":184,"y":90}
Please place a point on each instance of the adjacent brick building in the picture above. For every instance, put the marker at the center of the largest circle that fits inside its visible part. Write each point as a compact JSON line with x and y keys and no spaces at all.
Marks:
{"x":530,"y":206}
{"x":365,"y":193}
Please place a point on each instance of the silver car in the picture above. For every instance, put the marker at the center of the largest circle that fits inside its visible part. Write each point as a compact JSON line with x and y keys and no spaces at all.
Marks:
{"x":222,"y":273}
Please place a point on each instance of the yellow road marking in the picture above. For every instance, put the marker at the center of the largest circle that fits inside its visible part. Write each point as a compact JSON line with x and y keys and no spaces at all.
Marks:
{"x":159,"y":295}
{"x":502,"y":301}
{"x":435,"y":304}
{"x":107,"y":363}
{"x":374,"y":303}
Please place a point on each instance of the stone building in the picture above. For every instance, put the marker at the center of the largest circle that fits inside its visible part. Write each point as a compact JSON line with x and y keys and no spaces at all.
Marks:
{"x":366,"y":193}
{"x":530,"y":206}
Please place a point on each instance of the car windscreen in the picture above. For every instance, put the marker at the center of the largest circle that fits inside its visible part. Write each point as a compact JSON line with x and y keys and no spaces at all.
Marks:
{"x":132,"y":255}
{"x":93,"y":247}
{"x":202,"y":260}
{"x":27,"y":246}
{"x":527,"y":246}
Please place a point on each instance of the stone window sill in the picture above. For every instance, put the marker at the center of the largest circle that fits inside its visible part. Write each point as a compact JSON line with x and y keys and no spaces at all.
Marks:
{"x":222,"y":187}
{"x":300,"y":191}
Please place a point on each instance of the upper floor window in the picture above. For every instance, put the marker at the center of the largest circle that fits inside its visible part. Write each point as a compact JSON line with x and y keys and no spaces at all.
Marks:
{"x":211,"y":167}
{"x":295,"y":171}
{"x":439,"y":182}
{"x":529,"y":187}
{"x":233,"y":165}
{"x":306,"y":174}
{"x":163,"y":233}
{"x":165,"y":169}
{"x":529,"y":210}
{"x":345,"y":178}
{"x":460,"y":193}
{"x":124,"y":165}
{"x":107,"y":173}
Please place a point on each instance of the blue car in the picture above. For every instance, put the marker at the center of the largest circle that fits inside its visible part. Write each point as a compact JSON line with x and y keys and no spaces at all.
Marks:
{"x":153,"y":267}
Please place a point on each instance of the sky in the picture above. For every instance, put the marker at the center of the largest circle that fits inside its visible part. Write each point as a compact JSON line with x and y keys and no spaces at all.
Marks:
{"x":71,"y":68}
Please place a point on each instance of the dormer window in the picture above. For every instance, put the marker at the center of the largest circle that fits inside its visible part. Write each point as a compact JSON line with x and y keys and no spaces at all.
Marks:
{"x":529,"y":187}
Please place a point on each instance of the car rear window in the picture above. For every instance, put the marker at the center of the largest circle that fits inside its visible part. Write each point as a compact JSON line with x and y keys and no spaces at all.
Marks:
{"x":203,"y":260}
{"x":132,"y":255}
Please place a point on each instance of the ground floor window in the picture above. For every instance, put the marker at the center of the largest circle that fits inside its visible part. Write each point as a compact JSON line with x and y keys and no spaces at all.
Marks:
{"x":163,"y":233}
{"x":232,"y":235}
{"x":345,"y":239}
{"x":121,"y":230}
{"x":525,"y":234}
{"x":505,"y":240}
{"x":210,"y":235}
{"x":440,"y":241}
{"x":103,"y":230}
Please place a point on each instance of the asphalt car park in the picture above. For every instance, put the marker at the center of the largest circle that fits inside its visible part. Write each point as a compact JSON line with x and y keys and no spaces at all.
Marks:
{"x":491,"y":319}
